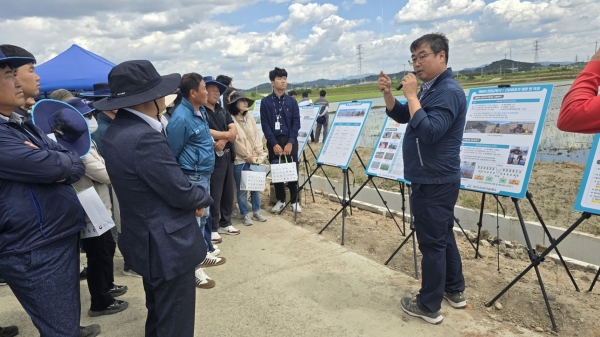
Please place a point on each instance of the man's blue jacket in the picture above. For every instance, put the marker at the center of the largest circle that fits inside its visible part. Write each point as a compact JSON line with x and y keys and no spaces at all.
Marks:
{"x":190,"y":140}
{"x":35,"y":210}
{"x":431,"y":146}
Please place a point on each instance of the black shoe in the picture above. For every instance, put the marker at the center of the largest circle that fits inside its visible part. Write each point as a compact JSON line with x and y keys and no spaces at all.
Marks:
{"x":9,"y":331}
{"x":2,"y":283}
{"x":89,"y":331}
{"x":83,"y":274}
{"x":117,"y":291}
{"x":118,"y":306}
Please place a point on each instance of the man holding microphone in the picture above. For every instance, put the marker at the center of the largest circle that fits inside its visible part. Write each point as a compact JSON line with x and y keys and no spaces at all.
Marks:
{"x":431,"y":149}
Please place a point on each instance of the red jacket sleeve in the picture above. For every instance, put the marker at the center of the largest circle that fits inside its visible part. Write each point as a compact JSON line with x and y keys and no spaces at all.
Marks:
{"x":580,"y":110}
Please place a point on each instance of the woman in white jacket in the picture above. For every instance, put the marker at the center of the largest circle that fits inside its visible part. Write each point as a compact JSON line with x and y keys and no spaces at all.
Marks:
{"x":248,"y":150}
{"x":99,"y":250}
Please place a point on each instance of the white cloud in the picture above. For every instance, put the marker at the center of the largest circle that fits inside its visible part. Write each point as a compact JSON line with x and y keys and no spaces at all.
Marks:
{"x":431,"y":10}
{"x":301,"y":14}
{"x":271,"y":19}
{"x":360,"y":2}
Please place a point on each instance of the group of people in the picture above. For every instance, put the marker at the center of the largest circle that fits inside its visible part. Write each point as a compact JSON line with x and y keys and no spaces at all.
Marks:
{"x":169,"y":180}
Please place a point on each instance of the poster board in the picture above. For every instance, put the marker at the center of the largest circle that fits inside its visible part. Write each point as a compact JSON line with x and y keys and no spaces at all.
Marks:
{"x":387,"y":160}
{"x":501,"y":136}
{"x":256,"y":115}
{"x":588,"y":197}
{"x":308,"y":117}
{"x":347,"y":125}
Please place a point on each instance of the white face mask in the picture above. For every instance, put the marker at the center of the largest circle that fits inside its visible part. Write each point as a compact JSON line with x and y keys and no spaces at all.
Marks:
{"x":93,"y":124}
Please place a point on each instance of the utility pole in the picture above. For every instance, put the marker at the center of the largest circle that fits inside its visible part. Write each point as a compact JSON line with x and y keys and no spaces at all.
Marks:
{"x":359,"y":58}
{"x":576,"y":59}
{"x":596,"y":49}
{"x":536,"y":50}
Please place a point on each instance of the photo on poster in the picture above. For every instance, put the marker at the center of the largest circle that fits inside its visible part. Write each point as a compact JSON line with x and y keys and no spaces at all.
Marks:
{"x":397,"y":135}
{"x":351,"y":112}
{"x":375,"y":165}
{"x":389,"y":156}
{"x":505,"y":127}
{"x":392,"y":146}
{"x":379,"y":155}
{"x":517,"y":155}
{"x":466,"y":169}
{"x":384,"y":167}
{"x":383,"y":145}
{"x":387,"y":135}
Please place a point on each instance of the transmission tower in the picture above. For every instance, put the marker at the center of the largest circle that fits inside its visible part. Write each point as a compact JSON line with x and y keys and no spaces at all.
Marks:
{"x":536,"y":50}
{"x":359,"y":58}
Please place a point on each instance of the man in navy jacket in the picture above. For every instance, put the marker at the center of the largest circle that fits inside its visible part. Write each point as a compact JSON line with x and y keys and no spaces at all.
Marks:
{"x":280,"y":121}
{"x":159,"y":231}
{"x":40,"y":215}
{"x":431,"y":152}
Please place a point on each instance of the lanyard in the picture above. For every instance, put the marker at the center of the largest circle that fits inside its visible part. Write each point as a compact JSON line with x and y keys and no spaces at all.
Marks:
{"x":281,"y":102}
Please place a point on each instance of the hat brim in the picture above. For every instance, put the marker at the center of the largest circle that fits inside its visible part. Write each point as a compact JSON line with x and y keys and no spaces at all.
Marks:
{"x":17,"y":61}
{"x":222,"y":87}
{"x":167,"y":86}
{"x":92,"y":95}
{"x":46,"y":107}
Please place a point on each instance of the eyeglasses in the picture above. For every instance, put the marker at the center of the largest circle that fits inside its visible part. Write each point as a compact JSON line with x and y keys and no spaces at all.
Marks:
{"x":419,"y":58}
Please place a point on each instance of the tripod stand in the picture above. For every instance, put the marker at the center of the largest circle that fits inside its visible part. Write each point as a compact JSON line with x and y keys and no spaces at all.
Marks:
{"x":412,"y":235}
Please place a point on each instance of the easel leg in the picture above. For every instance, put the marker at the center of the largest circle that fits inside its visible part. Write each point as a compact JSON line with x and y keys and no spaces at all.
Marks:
{"x":309,"y":182}
{"x":345,"y":173}
{"x":465,"y":234}
{"x":595,"y":279}
{"x":480,"y":224}
{"x":403,"y":208}
{"x":530,"y":198}
{"x":412,"y":235}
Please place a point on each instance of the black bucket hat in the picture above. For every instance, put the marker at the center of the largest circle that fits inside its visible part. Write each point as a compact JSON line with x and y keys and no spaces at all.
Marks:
{"x":136,"y":82}
{"x":236,"y":96}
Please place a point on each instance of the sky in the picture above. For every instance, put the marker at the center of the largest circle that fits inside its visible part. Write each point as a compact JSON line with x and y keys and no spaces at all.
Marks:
{"x":310,"y":39}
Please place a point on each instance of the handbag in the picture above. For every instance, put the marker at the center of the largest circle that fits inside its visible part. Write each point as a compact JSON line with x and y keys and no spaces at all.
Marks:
{"x":100,"y":220}
{"x":283,"y":172}
{"x":321,"y":120}
{"x":253,"y":178}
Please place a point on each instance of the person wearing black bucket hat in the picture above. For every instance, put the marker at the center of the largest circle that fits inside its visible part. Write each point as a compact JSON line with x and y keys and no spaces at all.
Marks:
{"x":42,"y":216}
{"x":159,"y":205}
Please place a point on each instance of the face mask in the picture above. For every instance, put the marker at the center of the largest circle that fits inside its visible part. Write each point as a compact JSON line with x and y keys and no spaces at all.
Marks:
{"x":93,"y":124}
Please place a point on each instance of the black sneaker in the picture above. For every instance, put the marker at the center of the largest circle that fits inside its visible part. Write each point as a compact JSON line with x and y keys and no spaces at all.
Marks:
{"x":409,"y":305}
{"x":89,"y":331}
{"x":457,"y":300}
{"x":118,"y":306}
{"x":9,"y":331}
{"x":117,"y":291}
{"x":2,"y":283}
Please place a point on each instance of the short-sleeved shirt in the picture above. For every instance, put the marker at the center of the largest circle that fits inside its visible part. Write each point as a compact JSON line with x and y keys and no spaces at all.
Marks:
{"x":219,"y":120}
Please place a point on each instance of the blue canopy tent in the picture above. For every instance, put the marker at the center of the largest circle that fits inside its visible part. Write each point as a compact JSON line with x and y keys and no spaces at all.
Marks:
{"x":74,"y":69}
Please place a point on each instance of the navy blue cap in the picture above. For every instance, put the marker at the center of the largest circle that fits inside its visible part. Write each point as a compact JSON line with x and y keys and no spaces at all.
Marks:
{"x":211,"y":80}
{"x":15,"y":61}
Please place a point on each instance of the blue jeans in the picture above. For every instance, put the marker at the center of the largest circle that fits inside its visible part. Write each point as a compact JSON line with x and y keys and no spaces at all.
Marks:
{"x":204,"y":181}
{"x":242,"y":196}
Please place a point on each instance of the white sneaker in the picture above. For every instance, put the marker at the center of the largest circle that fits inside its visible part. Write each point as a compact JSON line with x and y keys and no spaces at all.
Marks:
{"x":278,"y":207}
{"x":258,"y":217}
{"x":248,"y":220}
{"x":230,"y":230}
{"x":211,"y":260}
{"x":216,"y":252}
{"x":215,"y":237}
{"x":296,"y":208}
{"x":202,"y":280}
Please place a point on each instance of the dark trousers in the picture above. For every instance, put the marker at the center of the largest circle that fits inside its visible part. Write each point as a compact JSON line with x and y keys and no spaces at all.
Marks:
{"x":222,"y":188}
{"x":433,"y":208}
{"x":325,"y":128}
{"x":293,"y":157}
{"x":46,"y":283}
{"x":100,"y":251}
{"x":171,"y":306}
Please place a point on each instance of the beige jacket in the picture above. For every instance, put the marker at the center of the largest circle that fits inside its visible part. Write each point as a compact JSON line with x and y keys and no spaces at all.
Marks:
{"x":96,"y":176}
{"x":248,"y":140}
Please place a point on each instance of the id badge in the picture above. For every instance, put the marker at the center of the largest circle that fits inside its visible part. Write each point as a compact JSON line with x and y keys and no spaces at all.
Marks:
{"x":277,"y":126}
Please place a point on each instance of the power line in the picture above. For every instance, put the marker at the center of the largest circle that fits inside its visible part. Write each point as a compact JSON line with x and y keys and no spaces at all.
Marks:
{"x":536,"y":50}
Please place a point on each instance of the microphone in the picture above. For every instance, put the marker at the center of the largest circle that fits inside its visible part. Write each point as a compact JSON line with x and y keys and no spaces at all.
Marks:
{"x":400,"y":85}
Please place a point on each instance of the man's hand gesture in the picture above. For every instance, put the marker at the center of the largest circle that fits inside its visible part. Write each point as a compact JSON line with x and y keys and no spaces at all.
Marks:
{"x":384,"y":83}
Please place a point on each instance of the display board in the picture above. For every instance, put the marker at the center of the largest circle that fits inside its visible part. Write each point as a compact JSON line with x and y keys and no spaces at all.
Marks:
{"x":501,"y":137}
{"x":308,"y":116}
{"x":386,"y":160}
{"x":256,"y":115}
{"x":347,"y":125}
{"x":588,"y":197}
